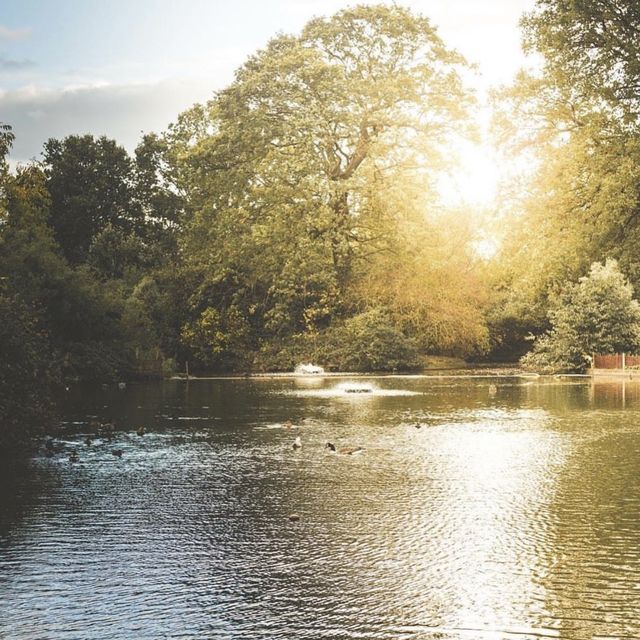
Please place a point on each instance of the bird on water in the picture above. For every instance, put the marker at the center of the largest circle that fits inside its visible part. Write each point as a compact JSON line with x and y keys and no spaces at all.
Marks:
{"x":344,"y":451}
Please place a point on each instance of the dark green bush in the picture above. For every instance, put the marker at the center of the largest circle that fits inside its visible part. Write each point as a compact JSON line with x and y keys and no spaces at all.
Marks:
{"x":28,"y":372}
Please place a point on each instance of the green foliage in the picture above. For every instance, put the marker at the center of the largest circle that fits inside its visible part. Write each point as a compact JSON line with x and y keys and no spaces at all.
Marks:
{"x":28,"y":371}
{"x":92,"y":333}
{"x":220,"y":340}
{"x":91,"y":184}
{"x":6,"y":142}
{"x":591,"y":50}
{"x":575,"y":128}
{"x":302,"y":179}
{"x":597,"y":315}
{"x":369,"y":341}
{"x":114,"y":254}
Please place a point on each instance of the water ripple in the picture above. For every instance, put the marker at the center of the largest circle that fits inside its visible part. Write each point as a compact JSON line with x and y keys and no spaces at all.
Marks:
{"x":503,"y":517}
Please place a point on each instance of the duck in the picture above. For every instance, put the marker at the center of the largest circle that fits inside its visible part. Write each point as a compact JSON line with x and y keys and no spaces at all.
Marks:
{"x":73,"y":456}
{"x":141,"y":431}
{"x":106,"y":430}
{"x":288,"y":424}
{"x":297,"y":443}
{"x":117,"y":453}
{"x":344,"y":451}
{"x":88,"y":441}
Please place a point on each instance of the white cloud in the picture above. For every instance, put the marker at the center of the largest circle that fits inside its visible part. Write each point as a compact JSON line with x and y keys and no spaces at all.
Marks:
{"x":121,"y":112}
{"x":13,"y":34}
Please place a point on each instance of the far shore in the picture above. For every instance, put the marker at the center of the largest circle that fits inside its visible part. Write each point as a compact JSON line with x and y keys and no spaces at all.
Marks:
{"x":463,"y":371}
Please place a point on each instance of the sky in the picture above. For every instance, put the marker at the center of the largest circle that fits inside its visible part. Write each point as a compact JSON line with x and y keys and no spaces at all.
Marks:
{"x":124,"y":67}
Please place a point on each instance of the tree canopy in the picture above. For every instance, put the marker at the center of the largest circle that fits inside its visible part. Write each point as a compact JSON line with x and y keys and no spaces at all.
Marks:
{"x":311,"y":168}
{"x":597,"y":315}
{"x":576,"y":124}
{"x":296,"y":215}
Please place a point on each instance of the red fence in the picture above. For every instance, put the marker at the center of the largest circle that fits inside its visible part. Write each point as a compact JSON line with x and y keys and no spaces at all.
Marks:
{"x":613,"y":361}
{"x":616,"y":361}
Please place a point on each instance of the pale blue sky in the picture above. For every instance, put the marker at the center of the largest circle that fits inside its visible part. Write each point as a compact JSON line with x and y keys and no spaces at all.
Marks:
{"x":118,"y":67}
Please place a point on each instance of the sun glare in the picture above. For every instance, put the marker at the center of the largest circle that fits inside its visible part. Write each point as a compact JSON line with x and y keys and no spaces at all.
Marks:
{"x":470,"y":185}
{"x":473,"y":179}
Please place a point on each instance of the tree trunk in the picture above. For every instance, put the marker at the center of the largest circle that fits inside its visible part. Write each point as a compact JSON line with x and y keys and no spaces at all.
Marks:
{"x":340,"y":246}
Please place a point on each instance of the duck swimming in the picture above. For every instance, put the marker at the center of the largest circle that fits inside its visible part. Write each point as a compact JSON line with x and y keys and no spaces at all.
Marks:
{"x":297,"y":443}
{"x":344,"y":451}
{"x":141,"y":431}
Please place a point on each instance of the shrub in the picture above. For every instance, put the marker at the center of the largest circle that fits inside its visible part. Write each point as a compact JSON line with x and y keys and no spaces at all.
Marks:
{"x":596,"y":315}
{"x":28,"y":373}
{"x":370,"y":341}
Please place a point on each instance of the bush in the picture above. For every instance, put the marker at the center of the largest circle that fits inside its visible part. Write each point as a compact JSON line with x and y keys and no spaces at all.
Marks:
{"x":552,"y":354}
{"x":94,"y":361}
{"x":220,"y":340}
{"x":370,"y":341}
{"x":596,"y":315}
{"x":28,"y":373}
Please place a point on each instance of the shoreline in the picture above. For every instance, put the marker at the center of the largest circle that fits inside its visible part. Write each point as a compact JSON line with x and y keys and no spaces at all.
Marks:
{"x":435,"y":373}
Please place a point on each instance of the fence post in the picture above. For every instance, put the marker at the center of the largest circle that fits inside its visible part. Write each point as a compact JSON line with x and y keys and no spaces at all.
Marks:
{"x":624,"y":361}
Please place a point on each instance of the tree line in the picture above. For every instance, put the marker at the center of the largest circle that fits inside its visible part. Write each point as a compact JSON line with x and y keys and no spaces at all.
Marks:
{"x":295,"y":216}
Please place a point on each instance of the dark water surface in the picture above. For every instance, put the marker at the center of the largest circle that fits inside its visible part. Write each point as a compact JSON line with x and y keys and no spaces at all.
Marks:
{"x":512,"y":513}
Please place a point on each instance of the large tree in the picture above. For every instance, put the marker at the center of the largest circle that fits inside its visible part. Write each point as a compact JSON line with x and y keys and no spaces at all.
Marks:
{"x":576,"y":122}
{"x":91,"y":182}
{"x":28,"y":368}
{"x":590,"y":50}
{"x":288,"y":168}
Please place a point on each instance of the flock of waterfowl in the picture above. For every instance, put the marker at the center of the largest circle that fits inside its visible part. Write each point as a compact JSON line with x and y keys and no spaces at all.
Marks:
{"x":104,"y":430}
{"x":344,"y":451}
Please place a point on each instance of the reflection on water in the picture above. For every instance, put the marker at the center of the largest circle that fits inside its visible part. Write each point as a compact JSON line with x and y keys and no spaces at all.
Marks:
{"x":475,"y":512}
{"x":351,"y":390}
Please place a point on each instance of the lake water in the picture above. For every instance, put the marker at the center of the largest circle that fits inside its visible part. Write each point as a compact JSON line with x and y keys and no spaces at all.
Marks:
{"x":513,"y":512}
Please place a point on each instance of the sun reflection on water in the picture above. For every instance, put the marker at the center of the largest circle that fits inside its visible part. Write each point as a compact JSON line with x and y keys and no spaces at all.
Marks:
{"x":493,"y":549}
